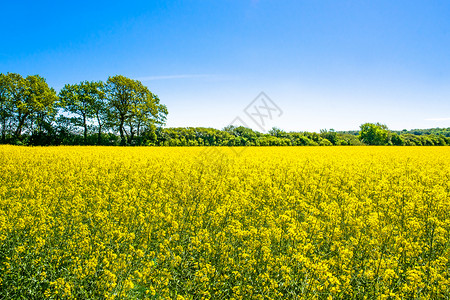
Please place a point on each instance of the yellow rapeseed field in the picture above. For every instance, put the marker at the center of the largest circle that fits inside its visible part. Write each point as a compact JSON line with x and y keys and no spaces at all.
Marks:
{"x":224,"y":223}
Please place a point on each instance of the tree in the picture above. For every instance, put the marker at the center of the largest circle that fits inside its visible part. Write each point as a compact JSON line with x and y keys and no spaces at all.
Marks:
{"x":32,"y":101}
{"x":5,"y":103}
{"x":330,"y":135}
{"x":120,"y":93}
{"x":132,"y":106}
{"x":277,"y":132}
{"x":146,"y":111}
{"x":14,"y":85}
{"x":374,"y":134}
{"x":396,"y":139}
{"x":85,"y":101}
{"x":99,"y":107}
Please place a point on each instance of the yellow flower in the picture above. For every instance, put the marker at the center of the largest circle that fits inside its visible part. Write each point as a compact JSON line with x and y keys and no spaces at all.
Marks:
{"x":271,"y":223}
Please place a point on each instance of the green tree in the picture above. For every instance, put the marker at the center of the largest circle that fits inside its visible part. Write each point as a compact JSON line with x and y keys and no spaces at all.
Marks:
{"x":374,"y":134}
{"x":86,"y":101}
{"x":146,"y":111}
{"x":5,"y":103}
{"x":330,"y":135}
{"x":277,"y":132}
{"x":120,"y":93}
{"x":14,"y":92}
{"x":132,"y":106}
{"x":99,"y":107}
{"x":397,"y":140}
{"x":32,"y":101}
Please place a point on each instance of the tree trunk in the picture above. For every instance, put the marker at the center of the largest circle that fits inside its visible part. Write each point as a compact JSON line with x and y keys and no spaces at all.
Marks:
{"x":85,"y":129}
{"x":122,"y":137}
{"x":20,"y":125}
{"x":131,"y":133}
{"x":99,"y":137}
{"x":4,"y":130}
{"x":40,"y":120}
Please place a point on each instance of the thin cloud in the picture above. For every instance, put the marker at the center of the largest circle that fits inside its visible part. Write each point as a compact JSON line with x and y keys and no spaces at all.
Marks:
{"x":179,"y":76}
{"x":438,"y":119}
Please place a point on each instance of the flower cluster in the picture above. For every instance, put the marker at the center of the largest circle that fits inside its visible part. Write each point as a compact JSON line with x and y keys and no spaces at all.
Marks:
{"x":180,"y":223}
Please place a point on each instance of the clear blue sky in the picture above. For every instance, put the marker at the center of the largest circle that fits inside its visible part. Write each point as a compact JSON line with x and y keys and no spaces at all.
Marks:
{"x":326,"y":64}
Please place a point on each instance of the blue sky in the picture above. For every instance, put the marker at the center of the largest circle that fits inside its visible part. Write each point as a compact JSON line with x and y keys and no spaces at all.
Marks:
{"x":325,"y":64}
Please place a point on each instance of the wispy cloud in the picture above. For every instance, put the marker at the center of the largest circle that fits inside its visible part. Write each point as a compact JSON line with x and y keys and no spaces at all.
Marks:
{"x":178,"y":76}
{"x":437,"y":119}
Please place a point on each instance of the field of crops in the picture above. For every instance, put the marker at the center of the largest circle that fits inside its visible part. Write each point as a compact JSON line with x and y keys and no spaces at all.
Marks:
{"x":224,"y":223}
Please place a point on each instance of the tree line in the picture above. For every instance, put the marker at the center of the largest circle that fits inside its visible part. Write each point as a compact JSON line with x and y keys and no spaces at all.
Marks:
{"x":369,"y":134}
{"x":119,"y":111}
{"x":122,"y":111}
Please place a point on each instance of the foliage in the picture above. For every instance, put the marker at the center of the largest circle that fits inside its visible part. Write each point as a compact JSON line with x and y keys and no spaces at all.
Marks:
{"x":431,"y":131}
{"x":26,"y":104}
{"x":132,"y":107}
{"x":374,"y":134}
{"x":29,"y":111}
{"x":86,"y":101}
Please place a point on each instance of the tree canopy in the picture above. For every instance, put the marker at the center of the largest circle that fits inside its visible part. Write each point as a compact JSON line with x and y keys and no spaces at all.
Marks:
{"x":31,"y":110}
{"x":26,"y":104}
{"x":133,"y":108}
{"x":84,"y":101}
{"x":374,"y":134}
